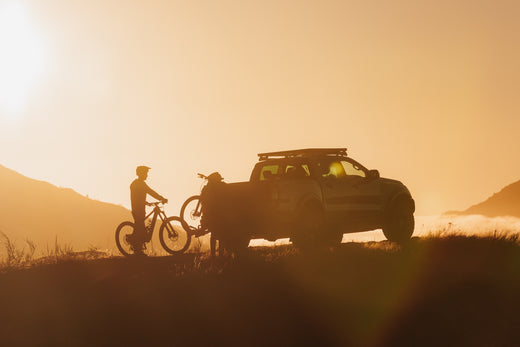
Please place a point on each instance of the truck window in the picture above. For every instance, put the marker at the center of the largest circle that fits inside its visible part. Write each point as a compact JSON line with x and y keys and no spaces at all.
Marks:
{"x":297,"y":171}
{"x":332,"y":169}
{"x":352,"y":170}
{"x":269,"y":172}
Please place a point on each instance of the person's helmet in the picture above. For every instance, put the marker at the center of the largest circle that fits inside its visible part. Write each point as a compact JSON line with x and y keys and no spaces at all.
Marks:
{"x":141,"y":170}
{"x":215,"y":177}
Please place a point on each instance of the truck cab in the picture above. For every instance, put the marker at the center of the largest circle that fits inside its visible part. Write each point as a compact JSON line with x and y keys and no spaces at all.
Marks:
{"x":348,"y":196}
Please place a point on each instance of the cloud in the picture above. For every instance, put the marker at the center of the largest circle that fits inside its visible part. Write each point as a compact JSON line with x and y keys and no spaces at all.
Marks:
{"x":435,"y":225}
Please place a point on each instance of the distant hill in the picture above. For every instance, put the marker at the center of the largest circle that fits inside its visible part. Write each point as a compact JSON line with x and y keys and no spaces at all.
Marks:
{"x":41,"y":212}
{"x":504,"y":203}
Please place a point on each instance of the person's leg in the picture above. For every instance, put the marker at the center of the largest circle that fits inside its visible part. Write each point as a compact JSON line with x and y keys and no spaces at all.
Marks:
{"x":139,"y":234}
{"x":213,"y":244}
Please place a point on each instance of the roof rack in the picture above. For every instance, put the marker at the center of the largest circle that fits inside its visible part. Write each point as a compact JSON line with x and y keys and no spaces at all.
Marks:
{"x":308,"y":152}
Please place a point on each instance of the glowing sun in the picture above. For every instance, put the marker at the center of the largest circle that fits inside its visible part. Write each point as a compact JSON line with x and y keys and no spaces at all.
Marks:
{"x":21,"y":58}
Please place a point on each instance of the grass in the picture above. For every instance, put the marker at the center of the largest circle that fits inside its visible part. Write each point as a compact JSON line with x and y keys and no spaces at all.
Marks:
{"x":450,"y":290}
{"x":16,"y":257}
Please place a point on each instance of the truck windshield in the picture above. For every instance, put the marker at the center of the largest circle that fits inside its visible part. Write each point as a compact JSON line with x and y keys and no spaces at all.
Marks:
{"x":340,"y":169}
{"x":352,"y":169}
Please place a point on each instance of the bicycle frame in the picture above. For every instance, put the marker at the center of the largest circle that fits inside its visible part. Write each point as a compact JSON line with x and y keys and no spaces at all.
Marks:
{"x":198,"y":210}
{"x":157,"y":212}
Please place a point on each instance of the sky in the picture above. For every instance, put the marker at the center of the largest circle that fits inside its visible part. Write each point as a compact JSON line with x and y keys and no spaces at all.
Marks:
{"x":424,"y":91}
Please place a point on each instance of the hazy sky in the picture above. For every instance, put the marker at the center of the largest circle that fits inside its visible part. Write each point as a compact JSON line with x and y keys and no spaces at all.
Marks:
{"x":424,"y":91}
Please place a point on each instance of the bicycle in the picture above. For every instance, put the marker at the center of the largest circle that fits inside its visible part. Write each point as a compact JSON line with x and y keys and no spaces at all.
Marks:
{"x":191,"y":212}
{"x":230,"y":238}
{"x":174,"y":238}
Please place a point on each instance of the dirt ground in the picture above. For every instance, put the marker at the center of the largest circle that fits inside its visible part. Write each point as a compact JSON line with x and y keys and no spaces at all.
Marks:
{"x":451,"y":291}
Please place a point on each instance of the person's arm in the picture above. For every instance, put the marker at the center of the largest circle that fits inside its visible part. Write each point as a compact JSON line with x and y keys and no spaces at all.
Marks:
{"x":154,"y":194}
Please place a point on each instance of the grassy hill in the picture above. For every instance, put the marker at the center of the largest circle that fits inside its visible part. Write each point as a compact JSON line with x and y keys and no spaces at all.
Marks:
{"x":41,"y":212}
{"x":451,"y":291}
{"x":504,"y":203}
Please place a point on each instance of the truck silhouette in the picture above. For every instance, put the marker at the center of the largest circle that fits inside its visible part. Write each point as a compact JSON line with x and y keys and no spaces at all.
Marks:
{"x":313,"y":196}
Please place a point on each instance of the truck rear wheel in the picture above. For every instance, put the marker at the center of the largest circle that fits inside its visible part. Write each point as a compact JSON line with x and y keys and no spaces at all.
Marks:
{"x":234,"y":244}
{"x":308,"y":234}
{"x":332,"y":238}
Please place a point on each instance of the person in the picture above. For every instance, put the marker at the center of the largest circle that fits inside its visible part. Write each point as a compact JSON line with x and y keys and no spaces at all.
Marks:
{"x":138,"y":192}
{"x":210,"y":208}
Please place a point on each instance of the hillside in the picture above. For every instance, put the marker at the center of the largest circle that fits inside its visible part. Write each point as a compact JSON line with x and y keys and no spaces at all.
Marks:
{"x":504,"y":203}
{"x":452,"y":291}
{"x":41,"y":212}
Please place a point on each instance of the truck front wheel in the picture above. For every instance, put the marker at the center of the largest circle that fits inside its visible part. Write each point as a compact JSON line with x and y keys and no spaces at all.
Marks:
{"x":399,"y":224}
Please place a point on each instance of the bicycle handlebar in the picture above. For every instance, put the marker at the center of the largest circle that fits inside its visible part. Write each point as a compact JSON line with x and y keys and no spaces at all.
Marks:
{"x":157,"y":203}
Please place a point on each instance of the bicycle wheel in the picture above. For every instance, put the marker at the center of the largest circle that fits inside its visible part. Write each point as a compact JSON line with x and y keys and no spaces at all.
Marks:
{"x":123,"y":231}
{"x":174,"y":238}
{"x":191,"y":212}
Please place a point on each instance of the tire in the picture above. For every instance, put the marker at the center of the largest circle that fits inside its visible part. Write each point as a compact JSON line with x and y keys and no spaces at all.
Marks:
{"x":308,"y":234}
{"x":191,"y":213}
{"x":123,"y":230}
{"x":400,"y":224}
{"x":236,"y":244}
{"x":173,"y":235}
{"x":332,"y":238}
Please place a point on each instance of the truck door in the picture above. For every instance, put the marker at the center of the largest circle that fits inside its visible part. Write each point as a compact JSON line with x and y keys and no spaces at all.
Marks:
{"x":295,"y":185}
{"x":349,"y":195}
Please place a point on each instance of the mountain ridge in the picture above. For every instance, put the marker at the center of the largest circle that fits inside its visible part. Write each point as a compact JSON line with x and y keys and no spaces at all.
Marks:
{"x":43,"y":212}
{"x":506,"y":202}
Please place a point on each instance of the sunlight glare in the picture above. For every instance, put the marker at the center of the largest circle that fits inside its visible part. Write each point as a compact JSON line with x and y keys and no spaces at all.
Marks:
{"x":21,"y":58}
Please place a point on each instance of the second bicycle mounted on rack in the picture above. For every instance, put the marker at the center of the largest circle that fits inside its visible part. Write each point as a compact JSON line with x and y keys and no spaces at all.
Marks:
{"x":192,"y":209}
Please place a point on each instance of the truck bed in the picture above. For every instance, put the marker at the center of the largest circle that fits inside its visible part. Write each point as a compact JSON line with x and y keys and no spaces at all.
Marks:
{"x":245,"y":206}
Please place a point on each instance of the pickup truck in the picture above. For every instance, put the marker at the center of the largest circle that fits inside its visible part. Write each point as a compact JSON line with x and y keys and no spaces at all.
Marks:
{"x":312,"y":196}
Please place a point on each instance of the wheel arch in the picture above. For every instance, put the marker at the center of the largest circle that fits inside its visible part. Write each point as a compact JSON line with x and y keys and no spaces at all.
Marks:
{"x":401,"y":199}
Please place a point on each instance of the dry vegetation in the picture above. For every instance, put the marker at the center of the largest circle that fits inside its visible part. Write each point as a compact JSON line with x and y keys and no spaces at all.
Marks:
{"x":442,"y":289}
{"x":15,"y":257}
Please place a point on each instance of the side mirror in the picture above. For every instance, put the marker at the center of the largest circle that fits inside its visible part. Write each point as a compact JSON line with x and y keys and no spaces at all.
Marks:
{"x":373,"y":174}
